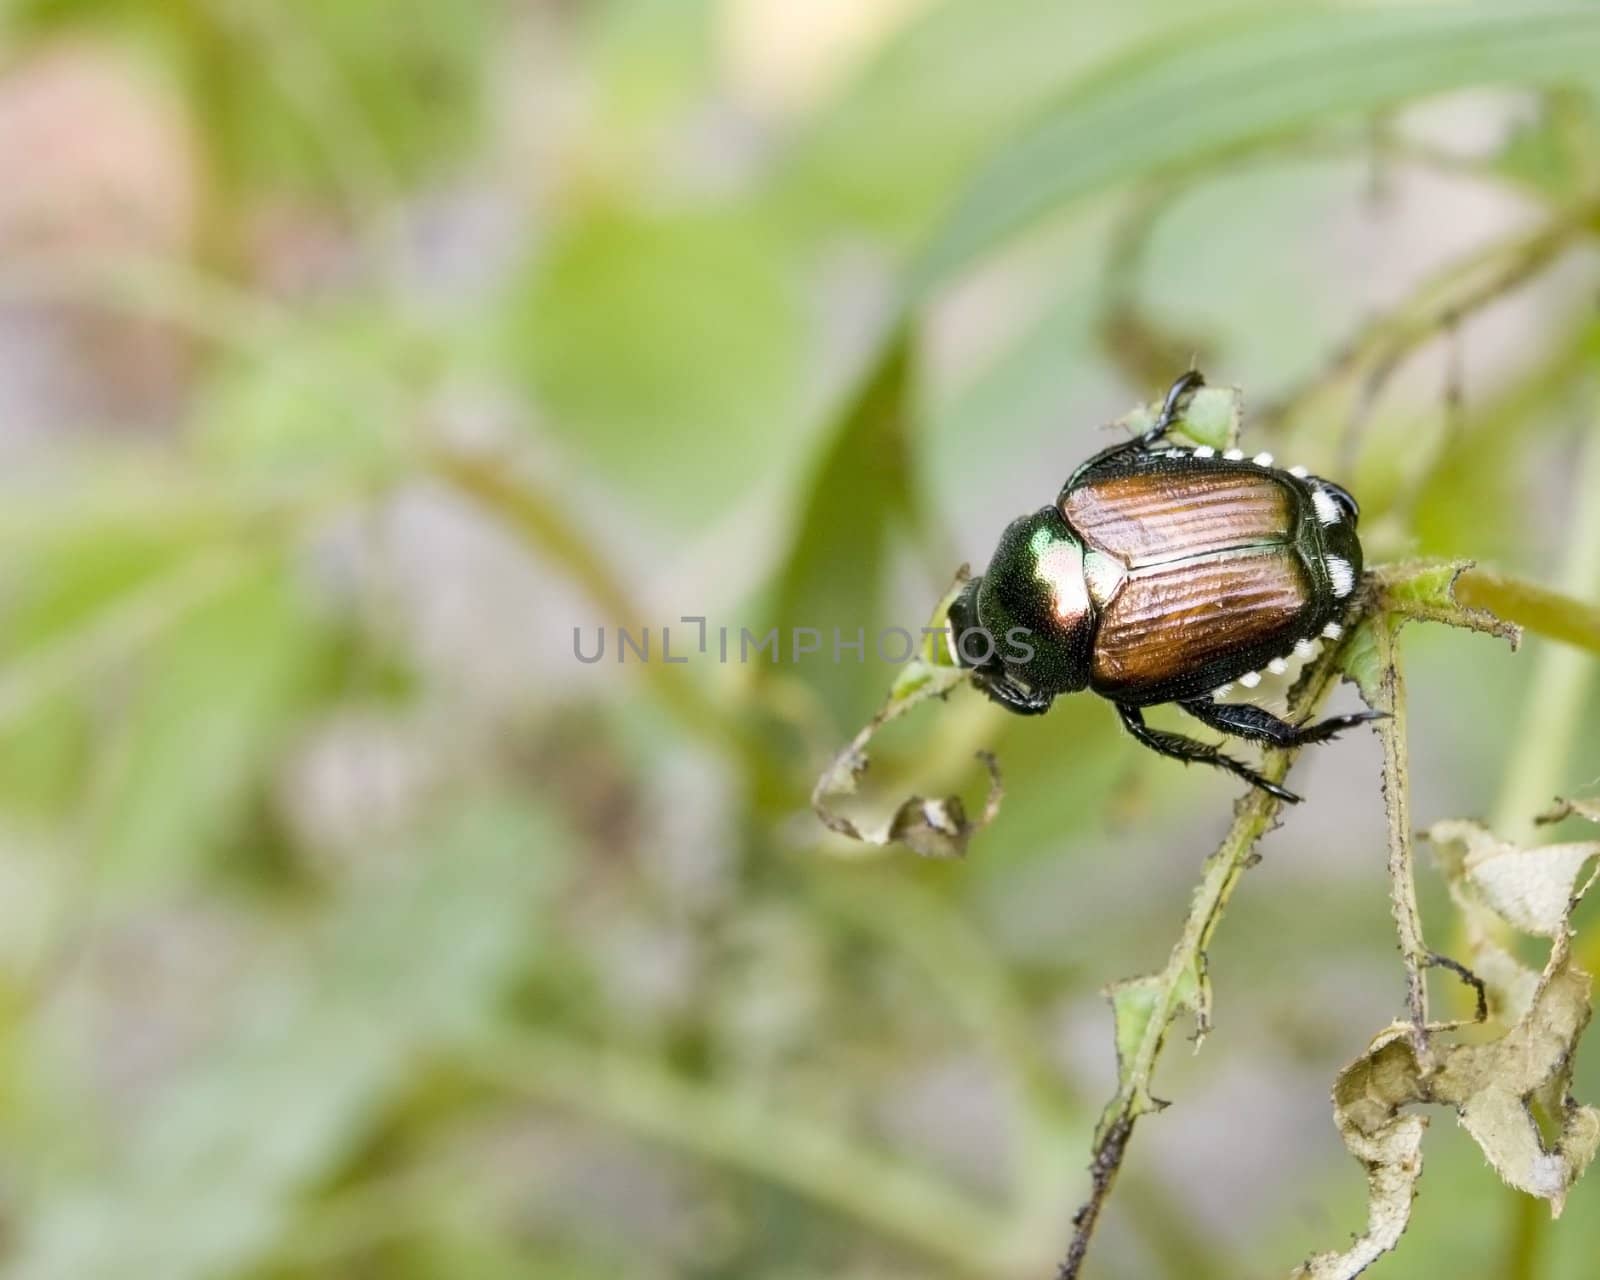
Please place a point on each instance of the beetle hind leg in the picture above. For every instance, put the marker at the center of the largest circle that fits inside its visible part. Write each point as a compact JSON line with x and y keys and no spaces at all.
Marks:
{"x":1178,"y":747}
{"x":1246,"y":720}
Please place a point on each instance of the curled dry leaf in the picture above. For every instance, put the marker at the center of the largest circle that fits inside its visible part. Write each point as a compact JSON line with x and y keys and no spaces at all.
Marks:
{"x":1498,"y":1087}
{"x":1532,"y":889}
{"x":933,"y":828}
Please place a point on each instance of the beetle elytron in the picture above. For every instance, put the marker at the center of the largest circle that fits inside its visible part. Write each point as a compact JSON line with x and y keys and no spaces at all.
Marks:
{"x":1165,"y":574}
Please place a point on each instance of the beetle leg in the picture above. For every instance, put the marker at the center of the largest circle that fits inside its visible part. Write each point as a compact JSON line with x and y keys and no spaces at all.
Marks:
{"x":1170,"y":408}
{"x":1187,"y":384}
{"x":1246,"y":720}
{"x":991,"y":678}
{"x":1189,"y":751}
{"x":1014,"y":697}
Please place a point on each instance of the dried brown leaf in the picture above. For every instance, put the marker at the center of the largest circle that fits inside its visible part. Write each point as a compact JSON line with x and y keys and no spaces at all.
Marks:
{"x":1496,"y":1087}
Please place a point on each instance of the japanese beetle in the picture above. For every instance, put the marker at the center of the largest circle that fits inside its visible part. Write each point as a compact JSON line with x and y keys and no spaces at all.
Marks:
{"x":1165,"y":574}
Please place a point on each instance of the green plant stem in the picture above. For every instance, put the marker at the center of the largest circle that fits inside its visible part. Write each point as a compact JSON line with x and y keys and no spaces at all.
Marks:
{"x":1563,"y":677}
{"x":1173,"y":986}
{"x":770,"y":1138}
{"x":1551,"y":718}
{"x":1528,"y":1226}
{"x":495,"y":485}
{"x":1551,"y":614}
{"x":1397,"y":809}
{"x":1457,"y":290}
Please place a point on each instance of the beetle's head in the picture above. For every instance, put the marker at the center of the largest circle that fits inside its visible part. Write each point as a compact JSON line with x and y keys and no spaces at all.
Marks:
{"x":1030,"y":615}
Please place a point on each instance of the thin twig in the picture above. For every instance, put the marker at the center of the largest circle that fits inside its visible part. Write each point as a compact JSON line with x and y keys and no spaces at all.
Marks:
{"x":1456,"y":291}
{"x":1553,"y":710}
{"x":1414,"y":952}
{"x":500,"y":487}
{"x":745,"y":1130}
{"x":1181,"y":983}
{"x":1145,"y":349}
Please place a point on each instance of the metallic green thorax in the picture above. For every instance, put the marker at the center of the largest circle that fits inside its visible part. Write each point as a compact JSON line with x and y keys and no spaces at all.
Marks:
{"x":1036,"y":587}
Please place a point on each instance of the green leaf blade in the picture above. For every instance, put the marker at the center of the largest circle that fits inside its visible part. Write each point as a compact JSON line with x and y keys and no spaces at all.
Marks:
{"x":1203,"y":92}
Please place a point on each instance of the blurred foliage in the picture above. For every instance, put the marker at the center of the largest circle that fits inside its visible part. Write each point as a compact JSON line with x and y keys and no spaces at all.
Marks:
{"x":353,"y":354}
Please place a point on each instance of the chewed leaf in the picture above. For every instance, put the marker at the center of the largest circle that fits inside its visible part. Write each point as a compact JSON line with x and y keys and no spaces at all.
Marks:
{"x":1425,"y":591}
{"x":941,"y":828}
{"x":1144,"y":1006}
{"x":933,"y":828}
{"x":1361,"y":662}
{"x":1366,"y":1108}
{"x":1495,"y":1087}
{"x":1417,"y":591}
{"x":1210,"y":416}
{"x":1532,"y":889}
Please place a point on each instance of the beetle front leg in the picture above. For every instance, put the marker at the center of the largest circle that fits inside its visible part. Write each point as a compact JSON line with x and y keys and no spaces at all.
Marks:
{"x":1246,"y":720}
{"x":1180,"y":390}
{"x":999,"y":687}
{"x":991,"y":677}
{"x":1178,"y":747}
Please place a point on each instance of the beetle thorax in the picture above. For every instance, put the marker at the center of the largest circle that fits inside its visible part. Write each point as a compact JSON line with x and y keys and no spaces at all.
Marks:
{"x":1035,"y":603}
{"x":1058,"y":565}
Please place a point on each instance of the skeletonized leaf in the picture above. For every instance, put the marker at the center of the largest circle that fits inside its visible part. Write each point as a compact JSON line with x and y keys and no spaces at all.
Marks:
{"x":1137,"y":1004}
{"x":1425,"y":591}
{"x":1360,"y":661}
{"x":933,"y":828}
{"x":1366,"y":1108}
{"x":1532,"y":889}
{"x":1495,"y":1087}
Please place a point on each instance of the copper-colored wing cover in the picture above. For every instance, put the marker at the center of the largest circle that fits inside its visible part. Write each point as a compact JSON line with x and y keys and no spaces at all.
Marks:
{"x":1212,"y":574}
{"x":1150,"y":516}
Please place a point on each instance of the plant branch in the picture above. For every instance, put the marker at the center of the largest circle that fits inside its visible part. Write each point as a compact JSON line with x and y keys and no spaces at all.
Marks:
{"x":1553,"y":713}
{"x":747,"y":1131}
{"x":1397,"y":808}
{"x":1146,"y":349}
{"x":1461,"y":287}
{"x":496,"y":485}
{"x":1538,"y":609}
{"x":1182,"y":984}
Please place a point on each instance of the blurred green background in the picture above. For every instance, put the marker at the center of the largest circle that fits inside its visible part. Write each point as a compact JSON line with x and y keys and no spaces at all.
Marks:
{"x":352,"y":354}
